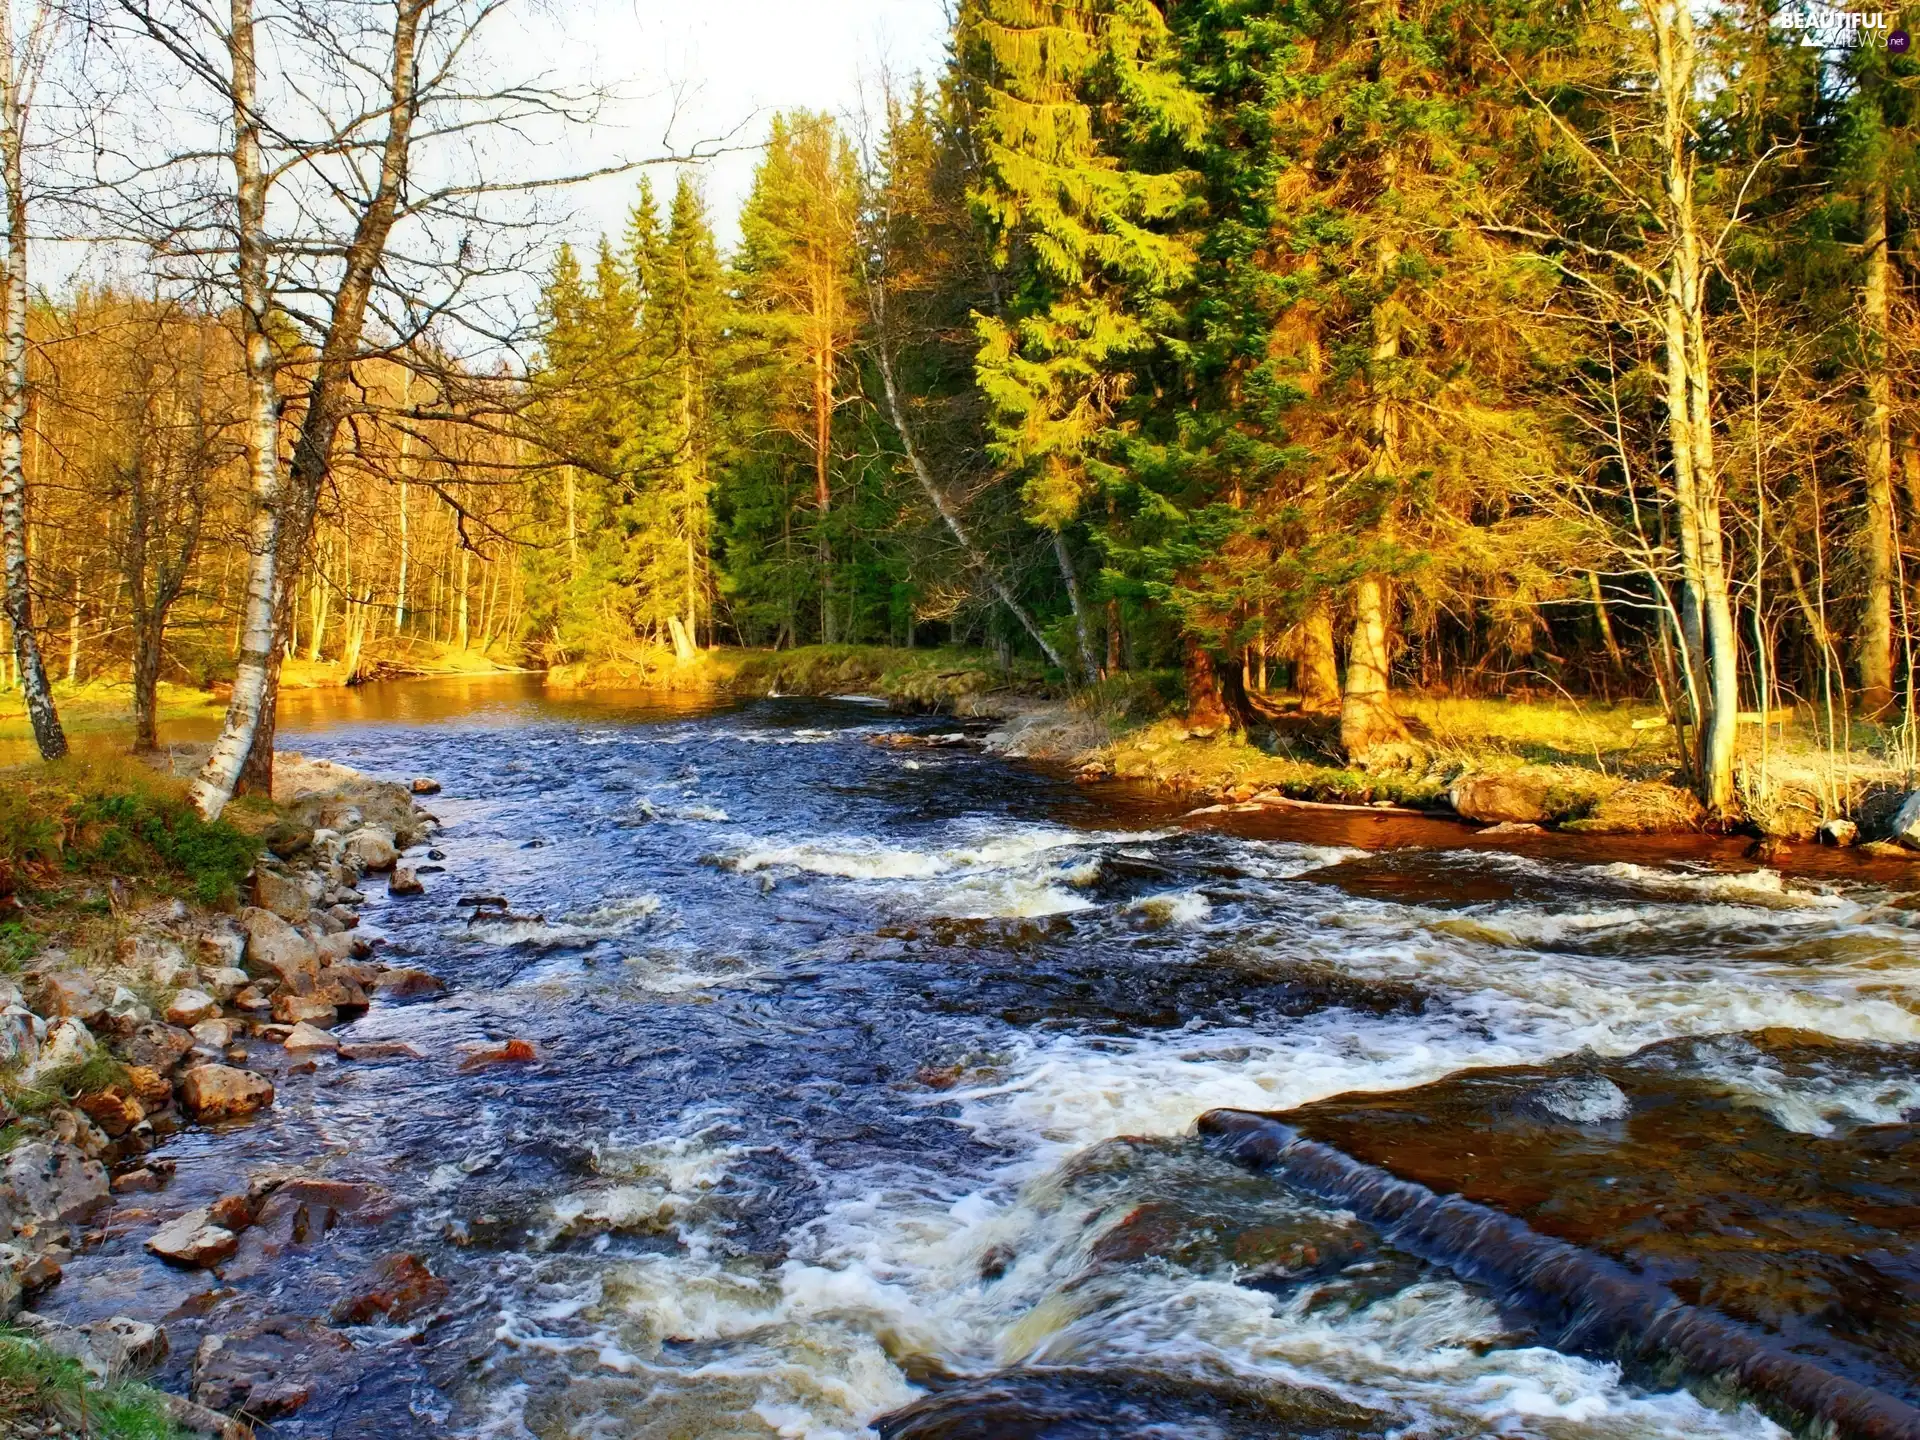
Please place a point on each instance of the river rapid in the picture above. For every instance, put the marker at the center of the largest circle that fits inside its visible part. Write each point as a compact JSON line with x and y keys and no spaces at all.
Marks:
{"x":868,"y":1078}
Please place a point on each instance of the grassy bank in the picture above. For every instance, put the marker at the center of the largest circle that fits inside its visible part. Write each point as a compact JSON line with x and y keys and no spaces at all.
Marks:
{"x":38,"y":1386}
{"x":921,"y":680}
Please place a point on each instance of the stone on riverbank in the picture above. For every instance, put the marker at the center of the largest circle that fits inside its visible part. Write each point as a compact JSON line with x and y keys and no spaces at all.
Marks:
{"x":220,"y":1092}
{"x":224,"y":983}
{"x":156,"y":1046}
{"x":1642,"y":807}
{"x":1840,"y":832}
{"x":190,"y":1007}
{"x":291,"y":897}
{"x":61,"y":994}
{"x":46,"y":1183}
{"x":303,"y":1010}
{"x":404,"y":982}
{"x":405,"y":881}
{"x":276,"y":949}
{"x":371,"y":848}
{"x":1513,"y":798}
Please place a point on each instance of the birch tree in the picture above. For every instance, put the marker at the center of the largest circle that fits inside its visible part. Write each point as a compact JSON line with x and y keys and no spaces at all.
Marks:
{"x":19,"y":68}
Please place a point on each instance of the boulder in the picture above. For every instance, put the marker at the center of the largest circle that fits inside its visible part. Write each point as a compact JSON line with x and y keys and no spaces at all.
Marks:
{"x":303,"y":1010}
{"x":340,"y":991}
{"x":150,"y":1087}
{"x":424,"y":785}
{"x":1513,"y":798}
{"x":156,"y":1046}
{"x":220,"y":1092}
{"x":405,"y":881}
{"x":106,"y":1349}
{"x":224,"y":982}
{"x":116,"y":1110}
{"x":404,"y":982}
{"x":20,"y":1034}
{"x":254,"y":997}
{"x":159,"y":957}
{"x":276,"y":949}
{"x":290,"y":897}
{"x":190,"y":1007}
{"x":1643,"y":807}
{"x":400,"y":1287}
{"x":287,"y":838}
{"x":217,"y":1033}
{"x":68,"y":1043}
{"x":371,"y":847}
{"x":1508,"y":828}
{"x":47,"y":1183}
{"x":193,"y":1240}
{"x":1904,"y":827}
{"x":126,"y":1012}
{"x":335,"y":947}
{"x":1839,"y":832}
{"x":63,"y":993}
{"x":309,"y":1039}
{"x":222,"y":949}
{"x":268,"y":1368}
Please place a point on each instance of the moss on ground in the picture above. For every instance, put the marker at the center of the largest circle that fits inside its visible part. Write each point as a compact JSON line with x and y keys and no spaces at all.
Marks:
{"x":38,"y":1385}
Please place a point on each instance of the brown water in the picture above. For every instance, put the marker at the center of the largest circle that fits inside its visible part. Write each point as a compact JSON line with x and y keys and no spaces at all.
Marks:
{"x":868,"y":1079}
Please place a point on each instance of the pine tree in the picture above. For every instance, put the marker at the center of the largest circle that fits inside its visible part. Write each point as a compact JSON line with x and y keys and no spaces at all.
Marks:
{"x":1084,"y":125}
{"x":795,"y":275}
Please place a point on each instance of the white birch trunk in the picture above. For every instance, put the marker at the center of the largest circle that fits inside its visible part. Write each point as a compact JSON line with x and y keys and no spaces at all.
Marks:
{"x":213,"y":787}
{"x":29,"y":667}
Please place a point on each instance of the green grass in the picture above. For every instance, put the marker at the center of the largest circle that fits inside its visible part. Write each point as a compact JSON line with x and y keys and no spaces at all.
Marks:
{"x":101,"y":816}
{"x":35,"y":1382}
{"x":909,"y":679}
{"x":105,"y":705}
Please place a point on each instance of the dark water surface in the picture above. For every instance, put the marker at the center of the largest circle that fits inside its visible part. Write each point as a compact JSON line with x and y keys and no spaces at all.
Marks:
{"x":869,"y":1074}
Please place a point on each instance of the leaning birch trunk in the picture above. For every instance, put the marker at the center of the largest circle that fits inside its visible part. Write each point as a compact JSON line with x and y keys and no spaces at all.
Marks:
{"x":334,"y":392}
{"x":31,"y":669}
{"x":1083,"y":631}
{"x":1874,"y":648}
{"x":897,"y":413}
{"x":213,"y":787}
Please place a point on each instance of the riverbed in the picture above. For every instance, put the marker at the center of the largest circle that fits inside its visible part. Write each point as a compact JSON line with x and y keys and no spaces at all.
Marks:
{"x":867,"y":1077}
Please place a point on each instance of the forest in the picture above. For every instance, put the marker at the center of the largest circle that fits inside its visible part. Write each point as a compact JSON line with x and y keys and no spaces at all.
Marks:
{"x":1323,"y":350}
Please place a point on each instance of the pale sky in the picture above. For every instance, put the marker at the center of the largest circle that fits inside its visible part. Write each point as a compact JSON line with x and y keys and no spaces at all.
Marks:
{"x":727,"y":65}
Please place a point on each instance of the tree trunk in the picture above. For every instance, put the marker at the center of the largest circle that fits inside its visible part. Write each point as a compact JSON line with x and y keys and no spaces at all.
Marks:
{"x":147,"y":640}
{"x":1707,"y":605}
{"x":1316,"y":665}
{"x":466,"y":584}
{"x":1366,"y":713}
{"x":1206,"y":707}
{"x":1874,"y":645}
{"x":214,"y":785}
{"x":334,"y":389}
{"x":938,"y":496}
{"x":1082,"y":627}
{"x":1113,"y":635}
{"x":32,"y":671}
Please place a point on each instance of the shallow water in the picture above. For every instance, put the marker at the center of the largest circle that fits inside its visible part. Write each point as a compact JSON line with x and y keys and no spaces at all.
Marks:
{"x":868,"y":1074}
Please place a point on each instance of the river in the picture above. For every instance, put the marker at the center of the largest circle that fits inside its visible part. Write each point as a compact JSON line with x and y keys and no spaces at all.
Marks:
{"x":869,"y":1073}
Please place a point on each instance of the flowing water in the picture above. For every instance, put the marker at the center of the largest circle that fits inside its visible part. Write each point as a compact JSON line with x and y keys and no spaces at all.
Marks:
{"x":869,"y":1074}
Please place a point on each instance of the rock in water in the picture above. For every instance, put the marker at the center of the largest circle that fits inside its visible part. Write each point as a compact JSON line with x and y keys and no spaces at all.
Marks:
{"x":405,"y":881}
{"x":1504,"y":799}
{"x":424,"y":785}
{"x":309,"y":1038}
{"x":1838,"y":832}
{"x":194,"y":1240}
{"x":220,"y":1092}
{"x":268,"y":1368}
{"x":1905,"y":825}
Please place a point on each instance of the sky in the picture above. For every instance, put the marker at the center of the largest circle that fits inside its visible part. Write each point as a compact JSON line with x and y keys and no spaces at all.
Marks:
{"x":708,"y":69}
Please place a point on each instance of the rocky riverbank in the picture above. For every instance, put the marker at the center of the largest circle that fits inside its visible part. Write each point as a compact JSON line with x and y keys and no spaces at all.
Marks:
{"x":191,"y":1019}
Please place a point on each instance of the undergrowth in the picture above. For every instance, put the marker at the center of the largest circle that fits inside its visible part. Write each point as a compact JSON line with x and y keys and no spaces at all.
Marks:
{"x":95,"y":816}
{"x":35,"y":1383}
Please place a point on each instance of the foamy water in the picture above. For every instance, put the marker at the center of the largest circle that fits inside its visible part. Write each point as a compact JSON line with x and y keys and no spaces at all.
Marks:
{"x":860,"y":1067}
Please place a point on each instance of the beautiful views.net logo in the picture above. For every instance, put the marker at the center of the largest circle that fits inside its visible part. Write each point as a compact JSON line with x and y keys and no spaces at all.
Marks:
{"x":1832,"y":28}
